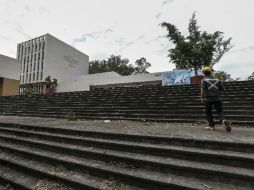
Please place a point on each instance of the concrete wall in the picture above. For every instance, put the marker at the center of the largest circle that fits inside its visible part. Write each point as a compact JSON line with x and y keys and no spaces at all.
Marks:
{"x":62,"y":61}
{"x":82,"y":83}
{"x":76,"y":85}
{"x":125,"y":79}
{"x":9,"y":87}
{"x":109,"y":78}
{"x":9,"y":67}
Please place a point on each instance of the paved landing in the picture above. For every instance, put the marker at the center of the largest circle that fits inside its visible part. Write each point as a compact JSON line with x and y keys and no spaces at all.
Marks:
{"x":187,"y":130}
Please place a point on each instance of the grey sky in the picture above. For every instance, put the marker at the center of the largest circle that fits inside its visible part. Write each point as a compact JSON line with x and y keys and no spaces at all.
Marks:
{"x":130,"y":28}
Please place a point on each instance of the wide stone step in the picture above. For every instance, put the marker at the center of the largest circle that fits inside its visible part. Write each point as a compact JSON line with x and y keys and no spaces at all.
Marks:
{"x":236,"y":119}
{"x":243,"y":154}
{"x":240,"y":146}
{"x":235,"y":101}
{"x":186,"y":168}
{"x":91,"y":110}
{"x":35,"y":157}
{"x":144,"y":94}
{"x":46,"y":170}
{"x":14,"y":178}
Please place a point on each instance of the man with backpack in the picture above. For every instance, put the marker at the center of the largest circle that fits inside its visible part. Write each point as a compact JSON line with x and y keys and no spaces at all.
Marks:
{"x":211,"y":96}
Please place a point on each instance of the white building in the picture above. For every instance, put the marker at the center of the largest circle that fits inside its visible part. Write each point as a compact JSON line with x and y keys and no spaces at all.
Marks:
{"x":48,"y":56}
{"x":108,"y":79}
{"x":9,"y":76}
{"x":9,"y":67}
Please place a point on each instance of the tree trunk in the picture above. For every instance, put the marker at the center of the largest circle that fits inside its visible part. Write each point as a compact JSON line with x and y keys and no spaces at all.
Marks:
{"x":196,"y":70}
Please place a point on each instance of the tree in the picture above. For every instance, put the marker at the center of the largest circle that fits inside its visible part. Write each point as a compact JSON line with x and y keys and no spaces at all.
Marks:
{"x":50,"y":83}
{"x":251,"y":77}
{"x":113,"y":63}
{"x":222,"y":75}
{"x":141,"y":66}
{"x":119,"y":65}
{"x":198,"y":49}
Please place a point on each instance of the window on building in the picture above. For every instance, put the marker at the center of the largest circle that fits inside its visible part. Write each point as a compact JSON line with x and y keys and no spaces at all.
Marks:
{"x":38,"y":57}
{"x":41,"y":76}
{"x":33,"y":76}
{"x":43,"y":46}
{"x":21,"y":52}
{"x":37,"y":78}
{"x":24,"y":64}
{"x":35,"y":47}
{"x":23,"y":69}
{"x":42,"y":64}
{"x":30,"y":77}
{"x":29,"y":49}
{"x":34,"y":57}
{"x":27,"y":63}
{"x":18,"y":53}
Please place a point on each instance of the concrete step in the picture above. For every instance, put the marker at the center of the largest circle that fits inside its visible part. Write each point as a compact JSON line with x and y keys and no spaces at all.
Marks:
{"x":128,"y":111}
{"x":232,"y":154}
{"x":154,"y":139}
{"x":193,"y":115}
{"x":232,"y":101}
{"x":14,"y":178}
{"x":46,"y":170}
{"x":42,"y":162}
{"x":236,"y":119}
{"x":189,"y":169}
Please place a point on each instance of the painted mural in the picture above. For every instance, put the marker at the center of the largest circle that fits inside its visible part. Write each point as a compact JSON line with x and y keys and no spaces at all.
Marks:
{"x":178,"y":77}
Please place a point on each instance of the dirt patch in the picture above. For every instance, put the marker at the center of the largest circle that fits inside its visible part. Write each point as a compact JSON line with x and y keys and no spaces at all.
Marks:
{"x":123,"y":165}
{"x":51,"y":185}
{"x":60,"y":170}
{"x":111,"y":184}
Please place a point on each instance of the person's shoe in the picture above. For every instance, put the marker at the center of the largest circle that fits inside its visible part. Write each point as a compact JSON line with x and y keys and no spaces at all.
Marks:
{"x":227,"y":125}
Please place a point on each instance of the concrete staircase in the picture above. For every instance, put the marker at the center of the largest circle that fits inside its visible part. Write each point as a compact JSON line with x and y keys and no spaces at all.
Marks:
{"x":95,"y":160}
{"x":154,"y":103}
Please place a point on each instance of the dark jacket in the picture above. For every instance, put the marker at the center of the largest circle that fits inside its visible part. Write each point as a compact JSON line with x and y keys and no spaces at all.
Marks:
{"x":212,"y":88}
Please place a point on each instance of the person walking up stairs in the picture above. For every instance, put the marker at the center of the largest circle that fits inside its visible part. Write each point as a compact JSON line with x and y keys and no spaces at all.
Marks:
{"x":211,"y":96}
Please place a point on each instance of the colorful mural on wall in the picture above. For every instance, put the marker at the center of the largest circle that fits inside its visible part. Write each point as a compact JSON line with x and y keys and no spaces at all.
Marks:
{"x":178,"y":77}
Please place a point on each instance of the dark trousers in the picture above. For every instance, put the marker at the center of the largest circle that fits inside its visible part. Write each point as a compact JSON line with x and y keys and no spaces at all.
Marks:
{"x":208,"y":110}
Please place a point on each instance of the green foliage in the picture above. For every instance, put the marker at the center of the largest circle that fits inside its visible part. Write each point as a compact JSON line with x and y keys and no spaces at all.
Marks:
{"x":141,"y":66}
{"x":113,"y":63}
{"x":251,"y":77}
{"x":198,"y":49}
{"x":28,"y":91}
{"x":222,"y":75}
{"x":119,"y":65}
{"x":51,"y":83}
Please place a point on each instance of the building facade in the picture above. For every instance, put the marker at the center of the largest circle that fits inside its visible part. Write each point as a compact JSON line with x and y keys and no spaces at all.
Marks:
{"x":108,"y":79}
{"x":48,"y":56}
{"x":9,"y":76}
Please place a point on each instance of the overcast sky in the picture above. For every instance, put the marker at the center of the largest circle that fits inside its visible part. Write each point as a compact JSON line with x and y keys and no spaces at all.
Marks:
{"x":130,"y":28}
